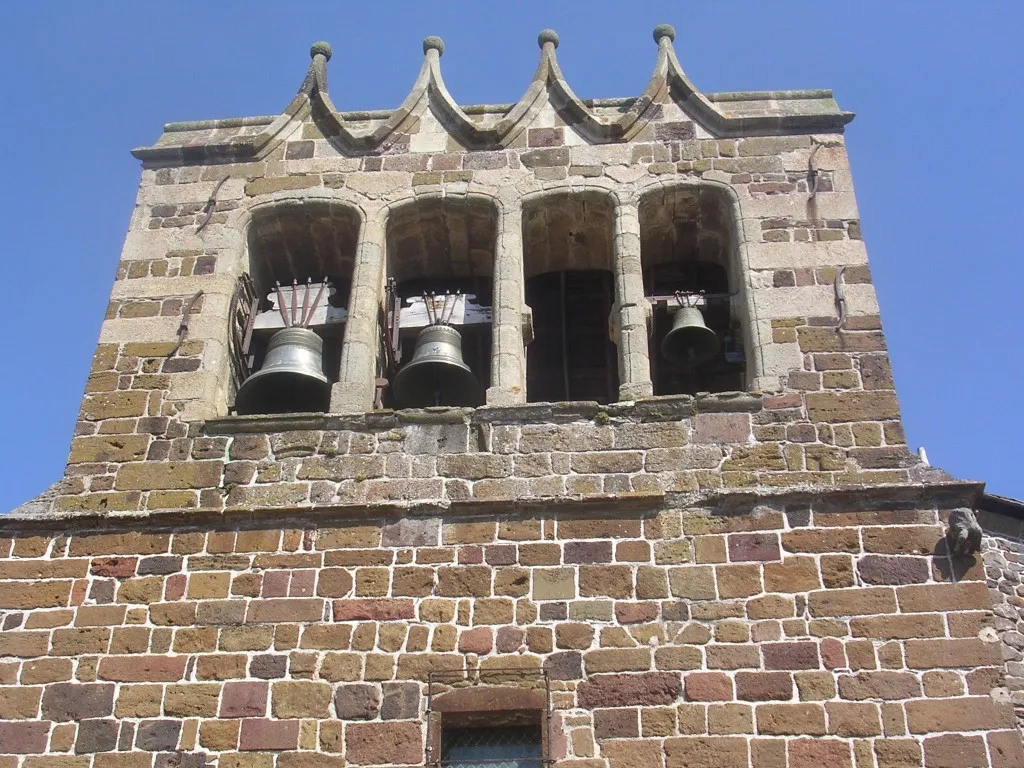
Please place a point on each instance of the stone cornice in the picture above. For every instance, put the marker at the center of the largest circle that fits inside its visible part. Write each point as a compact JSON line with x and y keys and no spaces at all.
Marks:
{"x":722,"y":115}
{"x":942,"y":494}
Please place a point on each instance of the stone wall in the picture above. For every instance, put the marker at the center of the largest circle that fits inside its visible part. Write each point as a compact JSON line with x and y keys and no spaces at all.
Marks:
{"x":126,"y":461}
{"x":811,"y":631}
{"x":1003,"y":552}
{"x":726,"y":580}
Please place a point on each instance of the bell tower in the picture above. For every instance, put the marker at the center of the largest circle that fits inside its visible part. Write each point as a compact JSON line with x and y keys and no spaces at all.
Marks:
{"x":560,"y":432}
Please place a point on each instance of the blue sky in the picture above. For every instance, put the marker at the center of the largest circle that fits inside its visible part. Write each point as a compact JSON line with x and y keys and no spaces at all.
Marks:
{"x":934,"y":150}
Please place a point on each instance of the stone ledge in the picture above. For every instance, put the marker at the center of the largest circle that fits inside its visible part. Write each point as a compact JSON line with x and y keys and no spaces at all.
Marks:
{"x":945,"y":494}
{"x":653,"y":409}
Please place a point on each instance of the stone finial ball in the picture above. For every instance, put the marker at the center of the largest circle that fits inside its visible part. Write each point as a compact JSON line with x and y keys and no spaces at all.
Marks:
{"x":664,"y":30}
{"x":322,"y":48}
{"x":547,"y":36}
{"x":433,"y":43}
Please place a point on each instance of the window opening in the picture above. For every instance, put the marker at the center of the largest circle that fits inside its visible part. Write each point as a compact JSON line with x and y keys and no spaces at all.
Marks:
{"x":687,"y":239}
{"x":702,"y":286}
{"x":289,"y":349}
{"x":494,"y":717}
{"x":568,"y":259}
{"x":492,"y":746}
{"x":436,"y":346}
{"x":571,"y":356}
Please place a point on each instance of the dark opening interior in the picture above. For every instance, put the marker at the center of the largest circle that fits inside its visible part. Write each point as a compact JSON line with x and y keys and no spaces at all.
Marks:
{"x":438,"y":247}
{"x":296,"y":242}
{"x":492,"y":746}
{"x":571,"y":356}
{"x":686,"y":246}
{"x":570,"y":289}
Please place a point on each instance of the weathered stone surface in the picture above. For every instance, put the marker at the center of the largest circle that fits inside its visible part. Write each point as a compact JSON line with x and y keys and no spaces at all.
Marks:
{"x":851,"y":406}
{"x":384,"y":743}
{"x":70,"y":701}
{"x":628,"y":690}
{"x":148,"y":476}
{"x":401,"y":701}
{"x":357,"y":702}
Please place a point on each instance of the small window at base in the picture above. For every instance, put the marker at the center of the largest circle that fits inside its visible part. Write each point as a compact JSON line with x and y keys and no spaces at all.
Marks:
{"x":518,"y":746}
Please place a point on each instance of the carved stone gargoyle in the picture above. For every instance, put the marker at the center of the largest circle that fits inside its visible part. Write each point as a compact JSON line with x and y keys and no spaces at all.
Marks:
{"x":964,"y":533}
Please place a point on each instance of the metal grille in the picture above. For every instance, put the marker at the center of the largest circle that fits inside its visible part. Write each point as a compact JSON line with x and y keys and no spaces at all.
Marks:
{"x":492,"y":747}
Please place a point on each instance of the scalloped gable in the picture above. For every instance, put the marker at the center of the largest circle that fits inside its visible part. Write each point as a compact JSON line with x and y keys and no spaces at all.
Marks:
{"x":669,"y":101}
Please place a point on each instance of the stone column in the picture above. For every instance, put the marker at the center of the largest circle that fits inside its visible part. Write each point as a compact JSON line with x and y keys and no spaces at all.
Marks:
{"x":631,"y":313}
{"x":354,"y":390}
{"x":508,"y":352}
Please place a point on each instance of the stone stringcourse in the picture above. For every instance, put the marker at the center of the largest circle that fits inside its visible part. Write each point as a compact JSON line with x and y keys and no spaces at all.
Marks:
{"x":731,"y":579}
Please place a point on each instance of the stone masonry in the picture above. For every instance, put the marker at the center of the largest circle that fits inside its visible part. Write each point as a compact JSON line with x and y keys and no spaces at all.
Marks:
{"x":731,"y":579}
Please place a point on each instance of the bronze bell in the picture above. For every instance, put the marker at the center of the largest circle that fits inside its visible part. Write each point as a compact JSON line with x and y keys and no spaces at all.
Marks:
{"x":291,"y":379}
{"x":690,"y":342}
{"x":436,"y":375}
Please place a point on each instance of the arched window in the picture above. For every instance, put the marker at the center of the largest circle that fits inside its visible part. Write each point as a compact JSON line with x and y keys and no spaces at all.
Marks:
{"x":687,"y":246}
{"x":300,"y":259}
{"x":440,"y":268}
{"x":567,"y":257}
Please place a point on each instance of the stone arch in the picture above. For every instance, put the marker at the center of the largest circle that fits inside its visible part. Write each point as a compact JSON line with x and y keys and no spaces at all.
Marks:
{"x":694,"y":229}
{"x":297,"y":239}
{"x":444,"y":243}
{"x":569,"y":271}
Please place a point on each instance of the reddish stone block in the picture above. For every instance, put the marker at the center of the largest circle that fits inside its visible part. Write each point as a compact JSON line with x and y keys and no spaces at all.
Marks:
{"x":749,"y":547}
{"x":500,"y":554}
{"x":509,"y":639}
{"x":625,"y":690}
{"x":373,"y":609}
{"x":275,"y":584}
{"x":585,"y":552}
{"x":244,"y":700}
{"x":636,"y":613}
{"x":817,"y":753}
{"x":142,"y":669}
{"x":114,"y":567}
{"x":158,"y":735}
{"x":69,"y":701}
{"x":717,"y":428}
{"x":616,"y":724}
{"x":96,"y":736}
{"x":764,"y":686}
{"x":401,"y":701}
{"x":268,"y":735}
{"x":877,"y":569}
{"x":478,"y":640}
{"x":832,"y":654}
{"x":707,"y":752}
{"x":1006,"y":749}
{"x":565,"y":666}
{"x":357,"y":702}
{"x":23,"y":738}
{"x":708,"y":686}
{"x":546,"y":137}
{"x":955,"y":751}
{"x":286,"y":609}
{"x":393,"y":742}
{"x":790,"y":655}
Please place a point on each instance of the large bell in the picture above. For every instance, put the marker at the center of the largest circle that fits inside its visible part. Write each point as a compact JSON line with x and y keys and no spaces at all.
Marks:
{"x":291,"y":379}
{"x":436,"y":375}
{"x":690,"y":342}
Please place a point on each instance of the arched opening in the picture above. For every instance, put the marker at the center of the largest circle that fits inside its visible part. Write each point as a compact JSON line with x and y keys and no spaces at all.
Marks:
{"x":570,"y":287}
{"x":300,"y":259}
{"x":687,"y":246}
{"x":440,"y":268}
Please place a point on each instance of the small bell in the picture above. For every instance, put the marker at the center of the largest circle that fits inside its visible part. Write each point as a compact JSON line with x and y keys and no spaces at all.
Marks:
{"x":436,"y":375}
{"x":291,"y":379}
{"x":690,"y":342}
